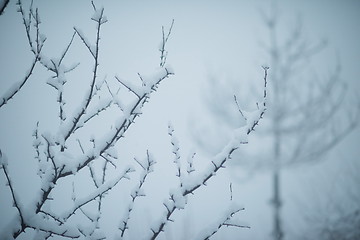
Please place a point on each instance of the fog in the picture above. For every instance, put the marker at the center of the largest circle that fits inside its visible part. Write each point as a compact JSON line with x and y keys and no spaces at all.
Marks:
{"x":217,"y":49}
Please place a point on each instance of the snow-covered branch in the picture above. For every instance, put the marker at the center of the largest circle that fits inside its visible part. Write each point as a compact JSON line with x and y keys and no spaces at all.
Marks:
{"x":80,"y":202}
{"x":37,"y":41}
{"x":227,"y":220}
{"x":147,"y":167}
{"x":175,"y":150}
{"x":53,"y":151}
{"x":3,"y":5}
{"x":71,"y":125}
{"x":165,"y":38}
{"x":71,"y":153}
{"x":190,"y":183}
{"x":16,"y":204}
{"x":121,"y":126}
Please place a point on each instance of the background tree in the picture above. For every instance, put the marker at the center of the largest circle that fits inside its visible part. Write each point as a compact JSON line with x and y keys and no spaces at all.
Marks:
{"x":307,"y":113}
{"x":342,"y":200}
{"x":78,"y":162}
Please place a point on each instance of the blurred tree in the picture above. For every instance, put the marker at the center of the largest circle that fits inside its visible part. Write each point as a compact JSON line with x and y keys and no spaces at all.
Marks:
{"x":307,"y":114}
{"x":336,"y":213}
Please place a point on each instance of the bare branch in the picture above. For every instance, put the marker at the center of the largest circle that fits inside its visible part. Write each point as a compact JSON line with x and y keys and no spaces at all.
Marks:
{"x":127,"y":87}
{"x":16,"y":204}
{"x":99,"y":191}
{"x":17,"y":87}
{"x":3,"y":5}
{"x":190,"y":168}
{"x":137,"y":191}
{"x":86,"y":43}
{"x":39,"y":40}
{"x":239,"y":109}
{"x":121,"y":128}
{"x":175,"y":150}
{"x":165,"y":38}
{"x":191,"y":184}
{"x":95,"y":54}
{"x":212,"y":229}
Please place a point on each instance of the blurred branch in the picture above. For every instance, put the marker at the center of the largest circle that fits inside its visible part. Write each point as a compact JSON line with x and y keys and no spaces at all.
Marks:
{"x":3,"y":4}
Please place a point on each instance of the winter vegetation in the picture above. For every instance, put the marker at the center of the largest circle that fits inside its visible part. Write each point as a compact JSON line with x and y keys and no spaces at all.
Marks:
{"x":308,"y":114}
{"x":344,"y":222}
{"x":3,"y":5}
{"x":78,"y":162}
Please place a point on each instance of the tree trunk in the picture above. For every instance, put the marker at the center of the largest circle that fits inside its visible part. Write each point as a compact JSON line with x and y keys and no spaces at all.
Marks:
{"x":276,"y":202}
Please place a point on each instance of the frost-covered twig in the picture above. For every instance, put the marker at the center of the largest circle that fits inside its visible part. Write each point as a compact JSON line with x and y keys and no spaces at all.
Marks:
{"x":225,"y":221}
{"x":261,"y":108}
{"x":239,"y":137}
{"x":129,"y":87}
{"x":49,"y":155}
{"x":178,"y":197}
{"x":59,"y":80}
{"x":121,"y":126}
{"x":165,"y":38}
{"x":16,"y":204}
{"x":39,"y":41}
{"x":61,"y":231}
{"x":3,"y":5}
{"x":54,"y":151}
{"x":37,"y":143}
{"x":100,"y":108}
{"x":239,"y":109}
{"x":137,"y":191}
{"x":99,"y":191}
{"x":32,"y":220}
{"x":190,"y":168}
{"x":17,"y":86}
{"x":99,"y":18}
{"x":175,"y":150}
{"x":111,"y":139}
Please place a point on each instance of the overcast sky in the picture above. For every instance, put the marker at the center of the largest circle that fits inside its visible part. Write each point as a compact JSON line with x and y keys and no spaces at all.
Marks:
{"x":220,"y":38}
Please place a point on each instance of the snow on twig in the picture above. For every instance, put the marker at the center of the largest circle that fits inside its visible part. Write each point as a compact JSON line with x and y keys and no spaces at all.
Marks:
{"x":165,"y":38}
{"x":175,"y":150}
{"x":79,"y":202}
{"x":121,"y":127}
{"x":147,"y":167}
{"x":54,"y":151}
{"x":39,"y":40}
{"x":191,"y":183}
{"x":226,"y":220}
{"x":16,"y":203}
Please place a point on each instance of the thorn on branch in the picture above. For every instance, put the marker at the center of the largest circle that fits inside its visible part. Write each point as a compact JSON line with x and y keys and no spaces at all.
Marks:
{"x":239,"y":109}
{"x":129,"y":88}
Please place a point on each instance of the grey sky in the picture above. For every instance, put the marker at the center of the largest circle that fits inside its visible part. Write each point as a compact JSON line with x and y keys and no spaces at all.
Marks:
{"x":220,"y":37}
